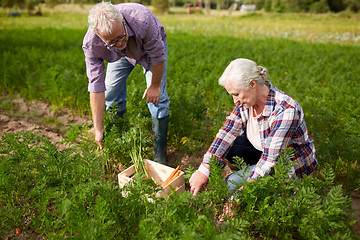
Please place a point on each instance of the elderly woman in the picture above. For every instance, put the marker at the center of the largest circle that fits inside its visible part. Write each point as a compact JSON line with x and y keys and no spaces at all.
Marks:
{"x":264,"y":121}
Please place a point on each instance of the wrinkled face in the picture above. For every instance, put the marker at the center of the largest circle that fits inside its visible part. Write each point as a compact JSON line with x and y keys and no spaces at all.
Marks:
{"x":246,"y":97}
{"x":117,"y":38}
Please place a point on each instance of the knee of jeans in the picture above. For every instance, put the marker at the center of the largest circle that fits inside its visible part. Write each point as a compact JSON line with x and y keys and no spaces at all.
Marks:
{"x":233,"y":181}
{"x":232,"y":178}
{"x":158,"y":112}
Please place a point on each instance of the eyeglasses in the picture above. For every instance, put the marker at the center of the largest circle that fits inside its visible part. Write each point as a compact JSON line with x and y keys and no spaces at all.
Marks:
{"x":119,"y":39}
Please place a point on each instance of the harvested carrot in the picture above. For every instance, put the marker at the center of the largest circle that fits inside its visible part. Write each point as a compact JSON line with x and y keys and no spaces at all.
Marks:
{"x":166,"y":182}
{"x":169,"y":180}
{"x":175,"y":176}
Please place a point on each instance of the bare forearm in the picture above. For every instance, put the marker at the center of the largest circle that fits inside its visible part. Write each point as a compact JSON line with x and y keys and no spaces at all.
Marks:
{"x":97,"y":103}
{"x":158,"y":71}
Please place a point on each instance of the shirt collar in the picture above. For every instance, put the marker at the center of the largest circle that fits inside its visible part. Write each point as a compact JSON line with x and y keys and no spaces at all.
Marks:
{"x":129,"y":30}
{"x":270,"y":102}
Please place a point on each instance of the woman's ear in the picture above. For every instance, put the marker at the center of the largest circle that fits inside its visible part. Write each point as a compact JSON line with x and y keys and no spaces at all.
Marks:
{"x":252,"y":83}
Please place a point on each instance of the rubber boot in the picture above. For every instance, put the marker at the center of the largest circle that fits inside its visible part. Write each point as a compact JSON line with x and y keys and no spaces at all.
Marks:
{"x":160,"y":129}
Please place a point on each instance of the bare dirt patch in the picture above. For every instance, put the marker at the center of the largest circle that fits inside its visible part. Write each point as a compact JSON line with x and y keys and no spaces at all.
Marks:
{"x":37,"y":117}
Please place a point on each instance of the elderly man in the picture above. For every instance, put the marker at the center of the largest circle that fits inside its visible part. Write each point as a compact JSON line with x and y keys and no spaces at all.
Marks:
{"x":264,"y":121}
{"x":125,"y":35}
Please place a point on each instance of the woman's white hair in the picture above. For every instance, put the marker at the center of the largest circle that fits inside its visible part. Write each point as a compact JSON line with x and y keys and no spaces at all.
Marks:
{"x":102,"y":16}
{"x":240,"y":71}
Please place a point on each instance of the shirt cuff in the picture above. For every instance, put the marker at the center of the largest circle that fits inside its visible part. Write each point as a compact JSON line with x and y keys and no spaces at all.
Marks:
{"x":207,"y":158}
{"x":204,"y":170}
{"x":96,"y":87}
{"x":256,"y":173}
{"x":158,"y":60}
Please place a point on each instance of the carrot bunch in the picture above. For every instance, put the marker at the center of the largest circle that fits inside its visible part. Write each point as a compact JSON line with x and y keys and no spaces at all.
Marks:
{"x":172,"y":176}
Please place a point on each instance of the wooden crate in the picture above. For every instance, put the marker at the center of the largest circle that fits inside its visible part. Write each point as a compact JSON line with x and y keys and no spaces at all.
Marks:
{"x":159,"y":173}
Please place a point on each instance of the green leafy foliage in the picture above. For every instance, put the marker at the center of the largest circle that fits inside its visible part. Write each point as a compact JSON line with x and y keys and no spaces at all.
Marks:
{"x":66,"y":194}
{"x":291,"y":208}
{"x":120,"y":136}
{"x":137,"y":159}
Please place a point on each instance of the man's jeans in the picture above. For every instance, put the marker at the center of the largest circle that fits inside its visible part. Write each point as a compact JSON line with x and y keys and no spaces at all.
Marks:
{"x":115,"y":81}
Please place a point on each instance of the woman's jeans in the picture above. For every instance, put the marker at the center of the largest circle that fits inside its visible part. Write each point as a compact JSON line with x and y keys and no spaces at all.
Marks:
{"x":115,"y":81}
{"x":244,"y":149}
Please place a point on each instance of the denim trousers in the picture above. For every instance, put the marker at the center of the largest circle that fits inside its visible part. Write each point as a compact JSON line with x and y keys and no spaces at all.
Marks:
{"x":116,"y":91}
{"x":244,"y":149}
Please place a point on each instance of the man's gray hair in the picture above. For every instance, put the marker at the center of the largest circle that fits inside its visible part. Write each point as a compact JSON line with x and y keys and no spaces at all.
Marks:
{"x":240,"y":71}
{"x":102,"y":16}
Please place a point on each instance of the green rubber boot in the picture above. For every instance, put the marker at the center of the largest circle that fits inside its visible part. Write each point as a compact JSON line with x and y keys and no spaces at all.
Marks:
{"x":160,"y":129}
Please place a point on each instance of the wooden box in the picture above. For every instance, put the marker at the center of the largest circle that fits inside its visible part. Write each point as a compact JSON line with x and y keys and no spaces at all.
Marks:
{"x":159,"y":173}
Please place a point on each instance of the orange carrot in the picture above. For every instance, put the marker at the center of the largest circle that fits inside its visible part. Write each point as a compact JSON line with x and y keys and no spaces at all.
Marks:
{"x":170,"y":179}
{"x":166,"y":182}
{"x":175,"y":176}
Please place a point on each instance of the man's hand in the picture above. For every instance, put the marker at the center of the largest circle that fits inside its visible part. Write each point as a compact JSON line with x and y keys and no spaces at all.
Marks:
{"x":153,"y":94}
{"x":99,"y":136}
{"x":154,"y":90}
{"x":199,"y":178}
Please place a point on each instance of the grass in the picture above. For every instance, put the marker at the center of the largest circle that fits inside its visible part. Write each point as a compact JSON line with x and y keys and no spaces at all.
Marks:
{"x":342,"y":28}
{"x":301,"y":27}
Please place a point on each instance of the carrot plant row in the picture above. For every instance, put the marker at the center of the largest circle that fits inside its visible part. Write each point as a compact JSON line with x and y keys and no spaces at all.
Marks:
{"x":64,"y":194}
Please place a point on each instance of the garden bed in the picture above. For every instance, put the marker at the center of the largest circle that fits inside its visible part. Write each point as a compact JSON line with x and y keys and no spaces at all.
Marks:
{"x":22,"y":124}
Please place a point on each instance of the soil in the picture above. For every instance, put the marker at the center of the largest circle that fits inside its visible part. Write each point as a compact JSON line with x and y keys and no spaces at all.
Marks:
{"x":32,"y":116}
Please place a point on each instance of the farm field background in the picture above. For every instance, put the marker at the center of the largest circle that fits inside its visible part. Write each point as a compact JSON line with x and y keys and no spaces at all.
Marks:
{"x":314,"y":58}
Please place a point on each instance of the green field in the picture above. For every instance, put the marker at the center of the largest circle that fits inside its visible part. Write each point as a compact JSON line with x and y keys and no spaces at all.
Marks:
{"x":314,"y":58}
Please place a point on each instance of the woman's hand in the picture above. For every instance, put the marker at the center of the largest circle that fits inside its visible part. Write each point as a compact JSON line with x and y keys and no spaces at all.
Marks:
{"x":226,"y":214}
{"x":227,"y":210}
{"x":249,"y":179}
{"x":199,"y":178}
